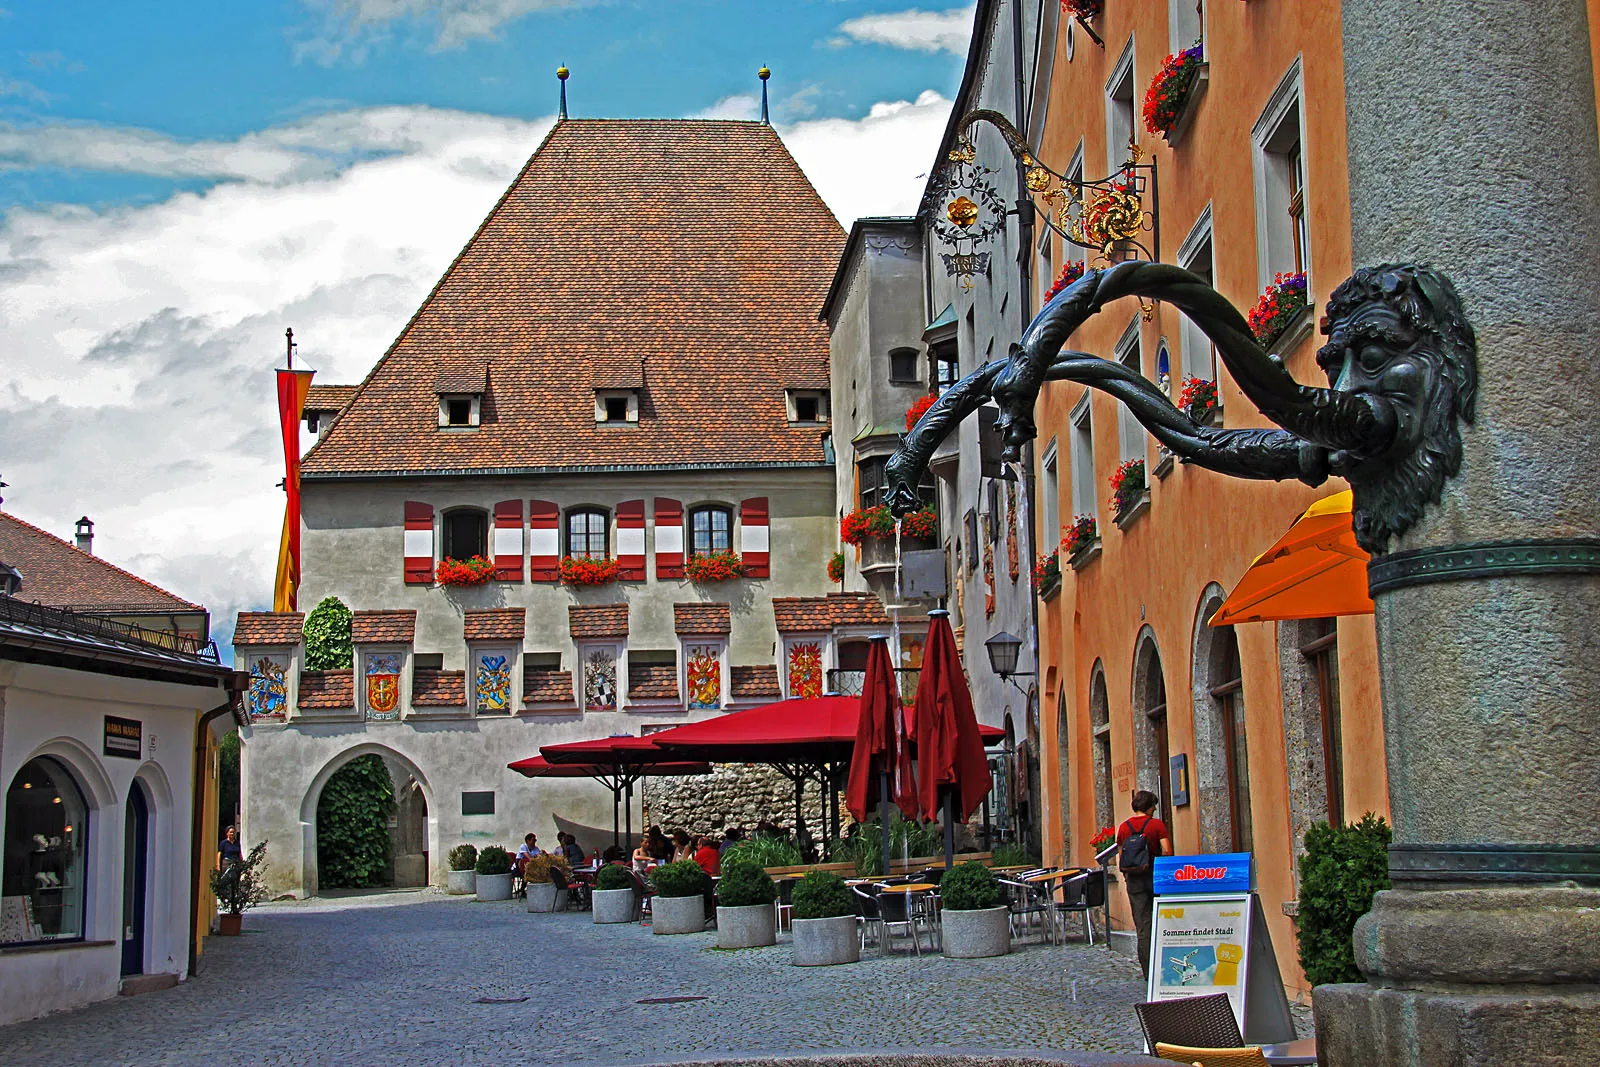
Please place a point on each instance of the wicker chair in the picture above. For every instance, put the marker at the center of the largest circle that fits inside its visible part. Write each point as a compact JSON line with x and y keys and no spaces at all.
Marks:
{"x":1199,"y":1022}
{"x":1248,"y":1056}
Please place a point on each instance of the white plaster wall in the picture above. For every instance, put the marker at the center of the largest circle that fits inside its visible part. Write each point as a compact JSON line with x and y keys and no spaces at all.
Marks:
{"x":57,"y":712}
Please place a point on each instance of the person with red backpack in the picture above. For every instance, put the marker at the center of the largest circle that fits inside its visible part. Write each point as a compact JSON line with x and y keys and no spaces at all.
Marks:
{"x":1139,"y":841}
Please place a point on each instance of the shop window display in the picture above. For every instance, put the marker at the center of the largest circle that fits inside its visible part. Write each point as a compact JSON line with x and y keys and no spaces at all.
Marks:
{"x":42,"y":886}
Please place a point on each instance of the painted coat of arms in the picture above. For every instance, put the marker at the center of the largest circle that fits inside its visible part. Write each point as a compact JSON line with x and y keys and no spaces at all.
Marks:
{"x":600,"y":681}
{"x":269,"y":688}
{"x":493,"y":684}
{"x":805,"y":669}
{"x":383,"y":686}
{"x":703,"y":675}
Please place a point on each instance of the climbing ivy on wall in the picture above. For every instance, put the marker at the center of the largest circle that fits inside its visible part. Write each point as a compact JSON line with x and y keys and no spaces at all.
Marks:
{"x":327,"y":633}
{"x":353,"y":846}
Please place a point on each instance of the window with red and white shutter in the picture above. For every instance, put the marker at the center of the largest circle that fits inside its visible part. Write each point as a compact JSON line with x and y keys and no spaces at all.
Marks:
{"x":669,"y":538}
{"x":544,"y":541}
{"x":418,"y":548}
{"x":630,"y":541}
{"x":754,"y":543}
{"x":507,"y":545}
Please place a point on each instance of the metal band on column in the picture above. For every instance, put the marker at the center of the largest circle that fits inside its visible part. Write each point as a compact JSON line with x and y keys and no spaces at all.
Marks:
{"x":1488,"y":559}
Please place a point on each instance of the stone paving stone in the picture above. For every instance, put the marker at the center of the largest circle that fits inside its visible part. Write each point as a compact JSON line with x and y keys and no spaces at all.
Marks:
{"x":394,"y":978}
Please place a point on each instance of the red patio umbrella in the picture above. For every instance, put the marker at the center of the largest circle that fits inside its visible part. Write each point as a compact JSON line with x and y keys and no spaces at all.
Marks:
{"x":607,"y":774}
{"x":951,"y":765}
{"x":625,"y":760}
{"x":881,"y":756}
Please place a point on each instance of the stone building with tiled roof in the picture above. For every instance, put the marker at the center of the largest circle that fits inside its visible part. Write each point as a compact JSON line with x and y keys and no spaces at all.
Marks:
{"x":619,"y":385}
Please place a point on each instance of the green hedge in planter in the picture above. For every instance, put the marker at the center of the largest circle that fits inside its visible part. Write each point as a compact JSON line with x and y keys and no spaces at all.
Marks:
{"x":684,"y":878}
{"x":494,"y":860}
{"x":767,"y":850}
{"x":1342,"y":870}
{"x":612,"y":877}
{"x":464,"y":858}
{"x":744,"y":883}
{"x":969,"y":886}
{"x":821,"y":895}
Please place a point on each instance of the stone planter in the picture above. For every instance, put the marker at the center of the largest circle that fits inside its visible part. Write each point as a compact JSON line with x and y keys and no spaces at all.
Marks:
{"x":230,"y":925}
{"x":974,"y":934}
{"x":677,"y":915}
{"x":826,"y":942}
{"x":613,"y":905}
{"x":493,"y":886}
{"x":462,"y":882}
{"x":542,"y":896}
{"x":752,"y":926}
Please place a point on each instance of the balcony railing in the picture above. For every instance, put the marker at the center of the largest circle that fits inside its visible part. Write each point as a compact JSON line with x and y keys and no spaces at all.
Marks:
{"x":111,"y":630}
{"x":849,"y":683}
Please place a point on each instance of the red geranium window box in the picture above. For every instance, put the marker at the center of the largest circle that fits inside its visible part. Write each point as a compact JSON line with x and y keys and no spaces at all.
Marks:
{"x":1169,"y":90}
{"x":917,"y":409}
{"x":1127,"y":485}
{"x":1069,"y":274}
{"x":714,"y":567}
{"x":581,"y":570}
{"x":1279,"y":304}
{"x":475,"y":570}
{"x":1080,"y":535}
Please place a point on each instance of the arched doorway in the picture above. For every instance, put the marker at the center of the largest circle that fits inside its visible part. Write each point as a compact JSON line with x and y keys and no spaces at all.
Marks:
{"x":409,"y":838}
{"x":1222,"y":762}
{"x":1150,"y":723}
{"x":135,"y":878}
{"x":407,"y":784}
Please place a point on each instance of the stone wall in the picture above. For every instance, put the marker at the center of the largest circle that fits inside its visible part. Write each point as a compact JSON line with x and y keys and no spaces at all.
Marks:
{"x":736,"y":794}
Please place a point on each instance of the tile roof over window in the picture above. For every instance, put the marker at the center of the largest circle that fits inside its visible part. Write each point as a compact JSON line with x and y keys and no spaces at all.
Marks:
{"x":496,"y":624}
{"x":754,"y":683}
{"x":328,"y":689}
{"x":268,"y":628}
{"x":695,"y":246}
{"x":814,"y":614}
{"x":383,"y":627}
{"x":700,"y":619}
{"x":57,"y":574}
{"x":438,"y":689}
{"x":598,"y":620}
{"x":547,"y":687}
{"x":652,"y":681}
{"x":329,"y":397}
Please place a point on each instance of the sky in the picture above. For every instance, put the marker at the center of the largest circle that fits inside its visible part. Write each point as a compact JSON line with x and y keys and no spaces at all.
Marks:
{"x":181,"y":180}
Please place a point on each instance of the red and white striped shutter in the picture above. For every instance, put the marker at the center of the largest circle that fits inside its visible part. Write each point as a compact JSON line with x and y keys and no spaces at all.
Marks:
{"x":508,"y":541}
{"x":669,"y":538}
{"x":754,"y":544}
{"x":544,"y":541}
{"x":630,"y":541}
{"x":419,"y":543}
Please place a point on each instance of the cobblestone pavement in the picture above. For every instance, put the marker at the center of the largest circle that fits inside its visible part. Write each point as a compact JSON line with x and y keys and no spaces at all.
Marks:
{"x":396,"y":978}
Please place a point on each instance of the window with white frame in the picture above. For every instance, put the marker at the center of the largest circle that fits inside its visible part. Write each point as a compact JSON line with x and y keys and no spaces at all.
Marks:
{"x":1120,"y":109}
{"x":1185,"y":24}
{"x":1199,"y":355}
{"x":1050,"y":506}
{"x":1130,"y":433}
{"x":1083,"y":488}
{"x":1282,"y":237}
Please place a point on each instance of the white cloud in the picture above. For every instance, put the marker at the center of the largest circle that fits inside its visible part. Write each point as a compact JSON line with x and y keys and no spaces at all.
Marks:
{"x":875,"y":165}
{"x":740,"y":106}
{"x":349,"y":26}
{"x":22,"y":89}
{"x":920,"y":31}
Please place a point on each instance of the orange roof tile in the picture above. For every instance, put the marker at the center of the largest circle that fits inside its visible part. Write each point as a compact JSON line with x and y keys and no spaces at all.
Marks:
{"x":383,"y":627}
{"x":58,"y":574}
{"x":547,"y":687}
{"x":329,"y":397}
{"x":598,"y":620}
{"x":701,"y":619}
{"x":814,"y":614}
{"x":754,"y":683}
{"x":268,"y":628}
{"x":652,"y":681}
{"x":328,"y":689}
{"x":696,"y":247}
{"x":496,"y":624}
{"x":438,"y":689}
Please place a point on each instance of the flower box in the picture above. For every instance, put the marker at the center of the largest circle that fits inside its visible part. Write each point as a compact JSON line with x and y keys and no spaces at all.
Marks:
{"x":865,"y":524}
{"x":1069,"y":274}
{"x":1083,"y":9}
{"x":836,"y":567}
{"x":713,"y":567}
{"x":474,"y":571}
{"x":1050,"y":588}
{"x":1198,"y":399}
{"x":1085,"y":555}
{"x":1279,"y":307}
{"x":1128,"y":489}
{"x":1174,"y":94}
{"x":1134,"y":508}
{"x":579,"y":570}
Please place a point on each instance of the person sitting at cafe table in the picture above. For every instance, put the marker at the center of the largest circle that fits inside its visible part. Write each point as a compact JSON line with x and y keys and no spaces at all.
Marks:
{"x":570,"y":849}
{"x":707,"y":856}
{"x":641,"y":856}
{"x":682,"y":846}
{"x":659,"y":847}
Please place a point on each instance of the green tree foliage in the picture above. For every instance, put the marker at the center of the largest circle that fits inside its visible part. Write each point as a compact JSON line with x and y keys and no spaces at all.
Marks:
{"x":327,"y":631}
{"x":227,"y":782}
{"x":353,"y":847}
{"x":821,"y":895}
{"x":1343,"y":869}
{"x":969,"y":887}
{"x":744,"y":883}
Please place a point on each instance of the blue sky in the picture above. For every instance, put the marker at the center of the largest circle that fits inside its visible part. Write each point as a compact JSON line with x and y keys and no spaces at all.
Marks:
{"x":180,"y":181}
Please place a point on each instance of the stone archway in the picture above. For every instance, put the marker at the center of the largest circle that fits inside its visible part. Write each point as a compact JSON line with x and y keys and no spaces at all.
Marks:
{"x":1151,"y":748}
{"x":394,"y":761}
{"x":1212,"y":795}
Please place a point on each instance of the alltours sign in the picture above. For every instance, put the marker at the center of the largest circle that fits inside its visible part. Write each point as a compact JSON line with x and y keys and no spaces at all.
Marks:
{"x":1227,"y":872}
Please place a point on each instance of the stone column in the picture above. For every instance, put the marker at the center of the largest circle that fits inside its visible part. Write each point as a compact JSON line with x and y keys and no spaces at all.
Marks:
{"x":1473,"y":147}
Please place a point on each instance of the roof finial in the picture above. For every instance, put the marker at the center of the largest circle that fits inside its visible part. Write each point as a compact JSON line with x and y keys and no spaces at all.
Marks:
{"x":289,"y":347}
{"x":563,"y":73}
{"x":764,"y":74}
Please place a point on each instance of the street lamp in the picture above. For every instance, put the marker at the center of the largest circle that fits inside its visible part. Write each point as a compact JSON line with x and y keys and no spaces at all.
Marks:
{"x":1003,"y":649}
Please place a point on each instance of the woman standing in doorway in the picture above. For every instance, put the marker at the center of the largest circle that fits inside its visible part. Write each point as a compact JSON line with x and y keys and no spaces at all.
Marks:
{"x":1139,"y":841}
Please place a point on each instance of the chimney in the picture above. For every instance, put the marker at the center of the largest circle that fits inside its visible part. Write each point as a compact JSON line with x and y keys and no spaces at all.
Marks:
{"x":84,"y":535}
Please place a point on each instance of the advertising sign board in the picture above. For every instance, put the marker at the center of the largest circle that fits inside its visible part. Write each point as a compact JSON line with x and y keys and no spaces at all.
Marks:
{"x":1226,"y":872}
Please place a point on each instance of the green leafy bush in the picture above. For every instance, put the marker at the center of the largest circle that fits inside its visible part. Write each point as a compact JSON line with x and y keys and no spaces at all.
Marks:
{"x":612,"y":877}
{"x":906,"y":839}
{"x":767,"y":851}
{"x":821,"y":895}
{"x":463,"y":858}
{"x":969,"y":886}
{"x":744,"y":883}
{"x":327,"y":633}
{"x":1343,"y":868}
{"x":685,"y":878}
{"x":494,"y":860}
{"x":227,"y":782}
{"x":242,"y":885}
{"x":353,"y":844}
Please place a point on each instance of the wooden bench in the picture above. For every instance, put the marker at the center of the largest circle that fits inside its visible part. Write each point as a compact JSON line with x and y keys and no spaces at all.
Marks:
{"x":844,"y":870}
{"x":918,"y":863}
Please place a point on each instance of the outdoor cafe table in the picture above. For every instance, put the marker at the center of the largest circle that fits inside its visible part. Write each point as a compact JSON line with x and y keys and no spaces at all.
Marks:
{"x":913,"y":887}
{"x":1291,"y":1053}
{"x":1056,"y":876}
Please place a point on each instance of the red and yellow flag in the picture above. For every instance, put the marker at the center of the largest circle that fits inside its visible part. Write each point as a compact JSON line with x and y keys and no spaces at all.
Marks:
{"x":292,"y":388}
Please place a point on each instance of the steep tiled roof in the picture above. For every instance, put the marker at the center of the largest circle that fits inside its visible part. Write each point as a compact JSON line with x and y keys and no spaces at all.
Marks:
{"x":695,"y":247}
{"x":496,"y":624}
{"x":701,"y":619}
{"x":268,"y":628}
{"x":598,"y":620}
{"x":439,"y":689}
{"x":328,"y":689}
{"x":329,"y":397}
{"x":815,"y":613}
{"x":754,"y":683}
{"x":57,"y":574}
{"x":652,"y":681}
{"x":383,"y":627}
{"x":547,"y":687}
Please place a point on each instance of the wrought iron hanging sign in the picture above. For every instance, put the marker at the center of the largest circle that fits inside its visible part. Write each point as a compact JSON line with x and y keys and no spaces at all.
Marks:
{"x":974,"y":215}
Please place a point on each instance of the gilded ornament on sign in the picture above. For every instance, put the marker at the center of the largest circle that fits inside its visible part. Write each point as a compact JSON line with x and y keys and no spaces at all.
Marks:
{"x":1038,"y":179}
{"x":963,"y":212}
{"x":963,"y":152}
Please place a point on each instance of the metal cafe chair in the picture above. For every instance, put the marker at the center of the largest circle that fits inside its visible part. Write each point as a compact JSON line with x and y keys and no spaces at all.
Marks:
{"x":1248,"y":1056}
{"x":1196,"y":1022}
{"x":1024,"y":901}
{"x":867,"y":911}
{"x":1084,"y":894}
{"x":895,"y":911}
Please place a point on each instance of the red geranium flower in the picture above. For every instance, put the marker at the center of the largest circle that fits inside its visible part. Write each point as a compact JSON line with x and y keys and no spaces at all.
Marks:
{"x":916,"y":410}
{"x":1163,"y":101}
{"x":475,"y":570}
{"x":580,"y":570}
{"x":714,"y":567}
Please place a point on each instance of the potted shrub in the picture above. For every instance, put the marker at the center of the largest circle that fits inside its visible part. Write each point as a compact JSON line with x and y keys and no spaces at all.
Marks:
{"x":745,"y":918}
{"x":824,"y":922}
{"x":239,"y":887}
{"x":679,"y":906}
{"x":541,"y":883}
{"x":494,"y":874}
{"x":463,"y":870}
{"x":614,"y":898}
{"x":976,"y":922}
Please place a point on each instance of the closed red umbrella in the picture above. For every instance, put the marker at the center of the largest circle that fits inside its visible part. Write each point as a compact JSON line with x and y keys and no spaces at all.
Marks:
{"x":951,"y":765}
{"x":880,"y":749}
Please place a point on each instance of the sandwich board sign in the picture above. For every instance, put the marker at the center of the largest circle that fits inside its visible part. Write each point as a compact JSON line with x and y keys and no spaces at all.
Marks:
{"x":1209,"y":935}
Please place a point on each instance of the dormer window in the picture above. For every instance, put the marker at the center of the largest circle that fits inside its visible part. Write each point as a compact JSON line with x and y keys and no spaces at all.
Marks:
{"x":808,"y":405}
{"x":616,"y":405}
{"x":461,"y":390}
{"x":460,"y":410}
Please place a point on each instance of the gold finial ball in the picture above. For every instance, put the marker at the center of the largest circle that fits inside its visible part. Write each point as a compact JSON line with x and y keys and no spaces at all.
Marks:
{"x":562,"y":73}
{"x":763,"y":73}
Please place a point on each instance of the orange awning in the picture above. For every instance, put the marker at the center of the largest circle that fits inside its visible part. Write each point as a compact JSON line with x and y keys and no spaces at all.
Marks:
{"x":1315,"y":571}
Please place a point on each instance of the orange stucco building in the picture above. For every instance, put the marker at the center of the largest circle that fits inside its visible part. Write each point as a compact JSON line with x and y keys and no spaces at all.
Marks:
{"x":1273,"y":723}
